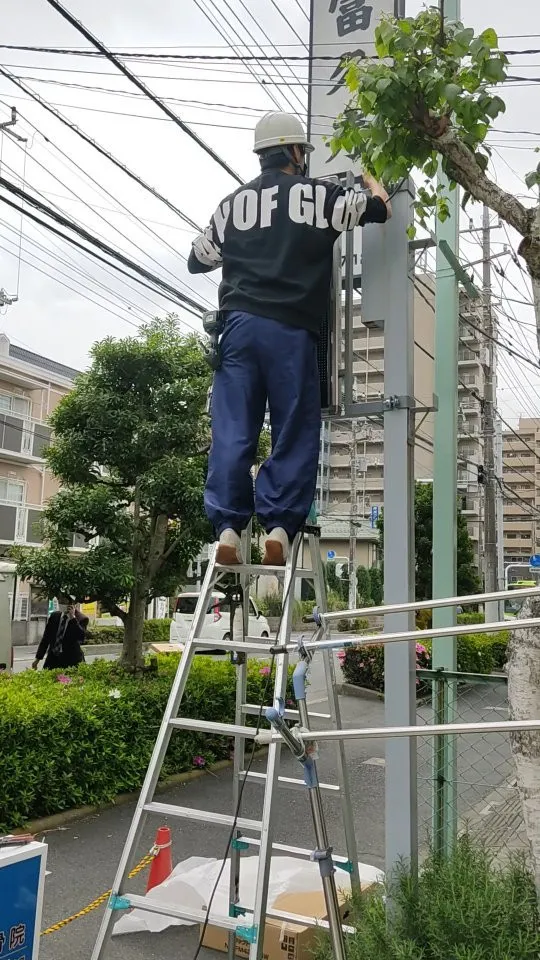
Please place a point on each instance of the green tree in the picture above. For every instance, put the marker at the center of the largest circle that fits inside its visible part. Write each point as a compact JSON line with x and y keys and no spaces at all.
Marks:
{"x":375,"y":576}
{"x":129,"y":451}
{"x":467,"y":574}
{"x":363,"y":583}
{"x":428,"y":98}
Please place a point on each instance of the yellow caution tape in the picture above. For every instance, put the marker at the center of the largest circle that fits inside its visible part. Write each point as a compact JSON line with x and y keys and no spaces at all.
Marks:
{"x":146,"y":860}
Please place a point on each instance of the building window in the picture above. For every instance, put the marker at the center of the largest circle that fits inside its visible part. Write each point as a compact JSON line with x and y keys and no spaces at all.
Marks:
{"x":9,"y":403}
{"x":11,"y":491}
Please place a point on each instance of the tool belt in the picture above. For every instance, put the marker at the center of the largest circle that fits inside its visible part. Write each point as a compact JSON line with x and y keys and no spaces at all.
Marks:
{"x":214,"y":325}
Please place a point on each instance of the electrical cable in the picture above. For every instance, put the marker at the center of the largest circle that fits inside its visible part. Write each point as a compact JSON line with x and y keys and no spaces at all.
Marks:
{"x":289,"y":24}
{"x":93,"y":210}
{"x":105,"y":153}
{"x":130,"y":54}
{"x":266,"y":36}
{"x":142,"y":86}
{"x":192,"y":305}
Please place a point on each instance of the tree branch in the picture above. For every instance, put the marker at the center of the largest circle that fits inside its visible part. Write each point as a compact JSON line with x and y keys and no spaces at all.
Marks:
{"x":467,"y":172}
{"x":117,"y":611}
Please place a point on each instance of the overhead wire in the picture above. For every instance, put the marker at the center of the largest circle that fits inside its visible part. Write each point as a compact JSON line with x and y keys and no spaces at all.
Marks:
{"x":266,"y":36}
{"x":96,"y":146}
{"x":166,"y":289}
{"x":86,"y":33}
{"x":115,"y":229}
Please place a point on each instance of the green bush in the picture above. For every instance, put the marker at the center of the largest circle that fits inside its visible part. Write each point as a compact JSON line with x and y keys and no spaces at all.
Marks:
{"x":476,"y":653}
{"x":460,"y":908}
{"x":154,"y":631}
{"x":470,"y":618}
{"x":85,"y":736}
{"x":270,"y":605}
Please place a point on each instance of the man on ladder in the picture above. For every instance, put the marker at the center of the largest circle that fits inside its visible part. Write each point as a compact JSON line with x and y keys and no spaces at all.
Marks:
{"x":274,"y":240}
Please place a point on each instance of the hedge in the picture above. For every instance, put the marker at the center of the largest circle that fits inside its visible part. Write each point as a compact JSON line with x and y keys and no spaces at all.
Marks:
{"x":154,"y":631}
{"x":84,"y":736}
{"x":476,"y":653}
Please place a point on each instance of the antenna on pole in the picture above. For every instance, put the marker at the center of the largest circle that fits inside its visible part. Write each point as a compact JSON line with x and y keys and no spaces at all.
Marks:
{"x":11,"y":123}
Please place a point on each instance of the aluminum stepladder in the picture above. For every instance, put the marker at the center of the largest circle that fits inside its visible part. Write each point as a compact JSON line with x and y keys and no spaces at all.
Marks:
{"x":245,"y":924}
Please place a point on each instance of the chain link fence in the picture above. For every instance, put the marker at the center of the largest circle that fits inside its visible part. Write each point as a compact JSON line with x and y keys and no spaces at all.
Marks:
{"x":469,"y":779}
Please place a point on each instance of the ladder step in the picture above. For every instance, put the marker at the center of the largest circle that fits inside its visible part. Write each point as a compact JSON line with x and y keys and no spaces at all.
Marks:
{"x":295,"y":851}
{"x":290,"y":782}
{"x":225,"y":923}
{"x":204,"y":816}
{"x":252,"y":710}
{"x":249,"y":645}
{"x":211,"y":726}
{"x":261,"y":570}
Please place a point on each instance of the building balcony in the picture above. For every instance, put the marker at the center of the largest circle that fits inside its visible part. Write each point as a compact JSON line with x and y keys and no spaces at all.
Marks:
{"x":22,"y":440}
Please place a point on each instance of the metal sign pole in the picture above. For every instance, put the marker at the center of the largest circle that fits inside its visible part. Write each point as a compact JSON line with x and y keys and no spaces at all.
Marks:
{"x":387,"y":298}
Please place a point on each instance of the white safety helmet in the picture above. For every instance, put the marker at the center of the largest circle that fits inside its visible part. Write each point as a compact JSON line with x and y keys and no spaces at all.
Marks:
{"x":280,"y":130}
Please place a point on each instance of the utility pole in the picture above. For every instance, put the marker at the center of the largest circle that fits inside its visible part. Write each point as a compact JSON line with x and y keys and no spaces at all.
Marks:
{"x":490,"y":524}
{"x":499,"y":513}
{"x":445,"y":497}
{"x":353,"y":517}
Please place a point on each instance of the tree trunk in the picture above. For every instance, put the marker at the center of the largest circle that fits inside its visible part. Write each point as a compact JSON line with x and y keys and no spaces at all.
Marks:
{"x":529,"y":249}
{"x":523,"y":670}
{"x":132,"y":651}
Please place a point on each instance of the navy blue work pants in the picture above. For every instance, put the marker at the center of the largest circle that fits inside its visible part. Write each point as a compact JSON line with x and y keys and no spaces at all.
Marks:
{"x":264,"y":360}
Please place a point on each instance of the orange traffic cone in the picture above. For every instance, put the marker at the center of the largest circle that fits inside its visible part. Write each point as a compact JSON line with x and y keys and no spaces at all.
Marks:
{"x":162,"y":863}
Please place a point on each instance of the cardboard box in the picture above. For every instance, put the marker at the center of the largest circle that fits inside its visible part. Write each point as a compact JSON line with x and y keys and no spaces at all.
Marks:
{"x":283,"y":940}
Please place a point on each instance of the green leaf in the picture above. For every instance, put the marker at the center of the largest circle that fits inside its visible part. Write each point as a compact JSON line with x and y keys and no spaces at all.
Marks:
{"x":479,"y":50}
{"x":490,"y":38}
{"x":451,"y":92}
{"x":532,"y":178}
{"x":479,"y":131}
{"x":383,"y":84}
{"x":495,"y":107}
{"x":494,"y":70}
{"x":411,"y":231}
{"x":463,"y":38}
{"x":481,"y":160}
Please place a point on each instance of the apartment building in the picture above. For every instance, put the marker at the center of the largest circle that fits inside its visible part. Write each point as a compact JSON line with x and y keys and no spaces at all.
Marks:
{"x":30,"y":388}
{"x":521,"y":480}
{"x":333,"y":491}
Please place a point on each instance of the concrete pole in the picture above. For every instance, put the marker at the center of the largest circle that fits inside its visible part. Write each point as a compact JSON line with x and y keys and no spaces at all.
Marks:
{"x":499,"y":513}
{"x":444,"y":654}
{"x":394,"y":272}
{"x":353,"y":517}
{"x":490,"y":528}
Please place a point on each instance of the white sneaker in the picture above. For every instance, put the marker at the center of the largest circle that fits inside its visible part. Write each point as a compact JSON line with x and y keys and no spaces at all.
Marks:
{"x":276,"y":548}
{"x":229,"y":549}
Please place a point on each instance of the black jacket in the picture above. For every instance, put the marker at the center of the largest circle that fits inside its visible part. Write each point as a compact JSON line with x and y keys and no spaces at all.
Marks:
{"x":274,"y":238}
{"x":74,"y":635}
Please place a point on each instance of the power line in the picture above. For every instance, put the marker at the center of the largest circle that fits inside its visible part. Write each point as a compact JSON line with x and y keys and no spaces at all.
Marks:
{"x":105,"y":153}
{"x":178,"y":296}
{"x":142,"y":86}
{"x":107,"y":222}
{"x":135,"y":55}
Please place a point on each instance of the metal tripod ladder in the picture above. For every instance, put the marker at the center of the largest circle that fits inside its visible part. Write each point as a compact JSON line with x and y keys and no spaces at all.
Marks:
{"x":244,"y":923}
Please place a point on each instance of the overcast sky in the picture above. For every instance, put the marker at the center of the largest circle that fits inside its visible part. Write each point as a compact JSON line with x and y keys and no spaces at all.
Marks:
{"x":62,"y":322}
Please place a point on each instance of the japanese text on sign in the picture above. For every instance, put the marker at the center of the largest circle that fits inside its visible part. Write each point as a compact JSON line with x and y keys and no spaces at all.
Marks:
{"x":352,"y":15}
{"x":12,"y":940}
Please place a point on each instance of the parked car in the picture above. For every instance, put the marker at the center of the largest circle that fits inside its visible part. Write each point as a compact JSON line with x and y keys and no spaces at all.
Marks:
{"x":217,"y":620}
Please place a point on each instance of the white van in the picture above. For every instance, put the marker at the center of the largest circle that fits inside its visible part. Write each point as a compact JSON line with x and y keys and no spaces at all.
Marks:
{"x":217,"y":621}
{"x":7,"y":580}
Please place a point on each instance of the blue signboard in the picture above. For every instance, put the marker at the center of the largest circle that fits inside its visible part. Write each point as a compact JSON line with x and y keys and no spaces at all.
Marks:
{"x":535,"y":560}
{"x":331,"y":554}
{"x":21,"y":885}
{"x":374,"y":516}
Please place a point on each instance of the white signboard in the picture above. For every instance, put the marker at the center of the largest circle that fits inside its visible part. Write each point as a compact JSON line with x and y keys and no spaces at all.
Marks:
{"x":338,"y":28}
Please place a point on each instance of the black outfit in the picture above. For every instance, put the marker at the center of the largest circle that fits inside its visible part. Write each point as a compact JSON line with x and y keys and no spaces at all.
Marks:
{"x":274,"y":239}
{"x":71,"y":633}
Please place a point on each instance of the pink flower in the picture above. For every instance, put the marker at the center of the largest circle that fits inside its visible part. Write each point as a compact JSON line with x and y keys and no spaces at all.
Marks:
{"x":290,"y":703}
{"x":265,"y":671}
{"x":420,"y":648}
{"x":417,"y":683}
{"x":362,"y":664}
{"x":61,"y":678}
{"x":199,"y":762}
{"x":341,"y":656}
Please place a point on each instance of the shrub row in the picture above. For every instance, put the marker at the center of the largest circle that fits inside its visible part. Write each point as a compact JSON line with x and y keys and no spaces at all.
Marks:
{"x":476,"y":653}
{"x":463,"y":907}
{"x":85,"y":736}
{"x":154,"y":631}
